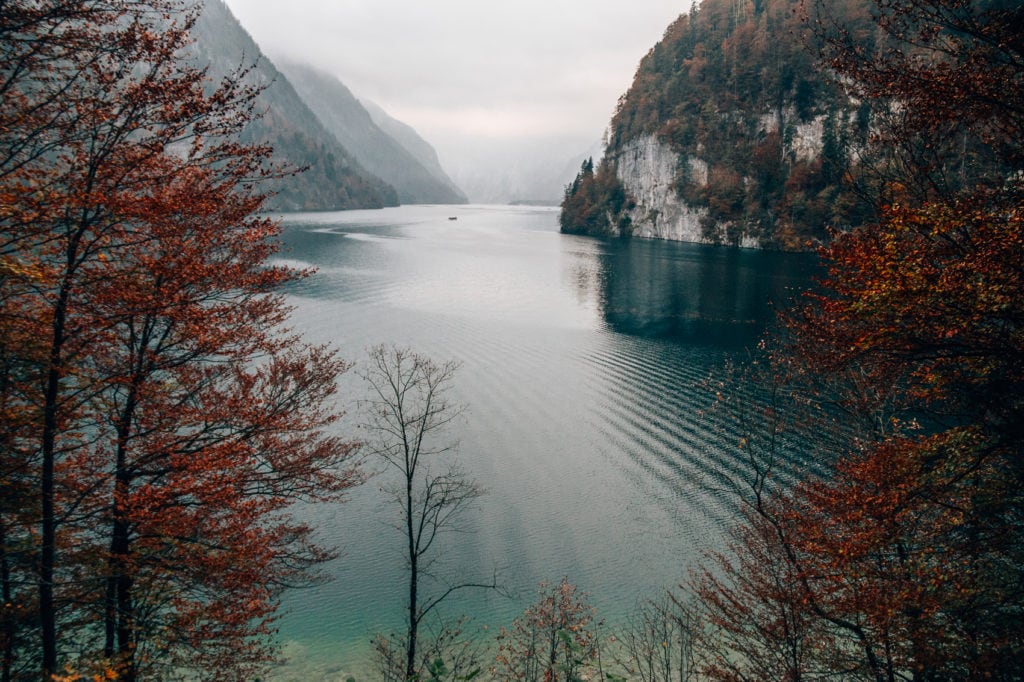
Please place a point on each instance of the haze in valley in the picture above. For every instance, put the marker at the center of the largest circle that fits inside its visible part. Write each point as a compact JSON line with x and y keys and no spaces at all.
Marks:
{"x":512,"y":95}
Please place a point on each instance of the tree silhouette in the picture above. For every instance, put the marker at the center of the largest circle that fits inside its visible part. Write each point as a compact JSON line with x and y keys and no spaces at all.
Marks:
{"x":407,"y":416}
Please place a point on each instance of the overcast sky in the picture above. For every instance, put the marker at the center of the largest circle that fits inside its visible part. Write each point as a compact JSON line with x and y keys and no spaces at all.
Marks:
{"x":472,"y":69}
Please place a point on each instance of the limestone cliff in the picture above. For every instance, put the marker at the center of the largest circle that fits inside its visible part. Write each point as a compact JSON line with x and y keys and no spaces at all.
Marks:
{"x":731,"y":133}
{"x":647,"y":169}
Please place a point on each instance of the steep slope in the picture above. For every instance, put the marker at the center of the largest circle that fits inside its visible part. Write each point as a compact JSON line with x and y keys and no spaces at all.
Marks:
{"x":347,"y":119}
{"x":491,"y":173}
{"x":420,"y":149}
{"x":334,"y":179}
{"x":729,"y":134}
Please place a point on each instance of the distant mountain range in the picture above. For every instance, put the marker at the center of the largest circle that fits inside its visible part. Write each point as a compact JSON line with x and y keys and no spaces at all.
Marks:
{"x":314,"y":121}
{"x":516,"y":171}
{"x":414,"y":144}
{"x":379,"y":151}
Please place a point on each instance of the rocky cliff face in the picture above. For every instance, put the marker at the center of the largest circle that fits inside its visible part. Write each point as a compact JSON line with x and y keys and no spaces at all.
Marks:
{"x":731,"y":133}
{"x":648,"y":169}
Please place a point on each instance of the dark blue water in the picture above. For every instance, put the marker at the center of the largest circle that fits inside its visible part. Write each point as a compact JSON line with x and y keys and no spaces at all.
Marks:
{"x":584,"y":368}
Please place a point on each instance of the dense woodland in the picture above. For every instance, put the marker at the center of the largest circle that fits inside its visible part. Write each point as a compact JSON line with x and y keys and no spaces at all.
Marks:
{"x":158,"y":420}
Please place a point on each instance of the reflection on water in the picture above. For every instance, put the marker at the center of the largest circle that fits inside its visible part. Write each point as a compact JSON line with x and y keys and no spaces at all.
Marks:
{"x":700,"y":295}
{"x":693,"y":294}
{"x":584,"y":364}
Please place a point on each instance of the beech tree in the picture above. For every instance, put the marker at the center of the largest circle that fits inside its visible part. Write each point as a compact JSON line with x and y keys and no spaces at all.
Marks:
{"x":905,"y":560}
{"x":161,"y":422}
{"x":925,"y":309}
{"x":753,"y":615}
{"x":753,"y":623}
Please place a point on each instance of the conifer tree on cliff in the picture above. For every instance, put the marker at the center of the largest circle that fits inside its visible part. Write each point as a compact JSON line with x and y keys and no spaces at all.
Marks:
{"x":158,"y":422}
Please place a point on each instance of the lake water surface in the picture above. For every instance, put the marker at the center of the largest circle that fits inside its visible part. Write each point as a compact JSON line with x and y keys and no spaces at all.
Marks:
{"x":584,"y":369}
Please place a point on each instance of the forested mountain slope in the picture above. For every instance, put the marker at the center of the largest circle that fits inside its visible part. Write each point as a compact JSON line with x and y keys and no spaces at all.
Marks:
{"x":377,"y":151}
{"x":730,"y":133}
{"x":334,"y":179}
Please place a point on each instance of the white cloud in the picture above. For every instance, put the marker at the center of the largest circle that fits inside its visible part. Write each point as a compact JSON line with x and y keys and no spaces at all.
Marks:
{"x":529,"y":69}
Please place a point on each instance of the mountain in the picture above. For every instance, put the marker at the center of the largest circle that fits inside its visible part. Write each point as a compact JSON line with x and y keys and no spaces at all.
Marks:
{"x":420,"y":149}
{"x":730,"y":133}
{"x":334,"y":179}
{"x":346,"y":118}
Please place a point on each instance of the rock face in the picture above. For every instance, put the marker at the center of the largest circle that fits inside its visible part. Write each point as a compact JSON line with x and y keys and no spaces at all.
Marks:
{"x":647,"y":169}
{"x":731,"y":133}
{"x":420,"y":149}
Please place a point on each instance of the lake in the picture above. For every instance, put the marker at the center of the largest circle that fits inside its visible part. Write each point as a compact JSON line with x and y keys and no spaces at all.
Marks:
{"x":584,"y":370}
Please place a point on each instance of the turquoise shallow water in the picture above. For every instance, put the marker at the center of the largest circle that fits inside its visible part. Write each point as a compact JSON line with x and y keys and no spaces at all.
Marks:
{"x":584,"y":369}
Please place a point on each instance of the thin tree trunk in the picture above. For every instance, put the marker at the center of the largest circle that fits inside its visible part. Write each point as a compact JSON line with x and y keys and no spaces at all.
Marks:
{"x":47,"y":482}
{"x":10,"y":619}
{"x":48,"y":531}
{"x":120,"y":616}
{"x":410,"y":643}
{"x":10,"y":626}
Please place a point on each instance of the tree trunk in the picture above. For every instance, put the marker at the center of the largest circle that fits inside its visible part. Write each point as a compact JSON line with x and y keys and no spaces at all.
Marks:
{"x":48,"y":531}
{"x":10,"y":626}
{"x":410,"y":640}
{"x":120,"y":616}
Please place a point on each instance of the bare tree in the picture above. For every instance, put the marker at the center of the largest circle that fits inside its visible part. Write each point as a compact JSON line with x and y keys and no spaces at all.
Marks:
{"x":406,"y":418}
{"x":658,"y":642}
{"x":446,"y":653}
{"x":554,"y":640}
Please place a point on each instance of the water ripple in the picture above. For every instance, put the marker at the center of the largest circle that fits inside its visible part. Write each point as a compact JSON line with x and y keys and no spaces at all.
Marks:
{"x":604,"y":457}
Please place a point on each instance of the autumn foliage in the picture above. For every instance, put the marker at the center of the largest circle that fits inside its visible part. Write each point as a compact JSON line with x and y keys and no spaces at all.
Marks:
{"x":595,"y":202}
{"x":552,"y":641}
{"x":904,"y":561}
{"x":158,"y":422}
{"x":734,"y":92}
